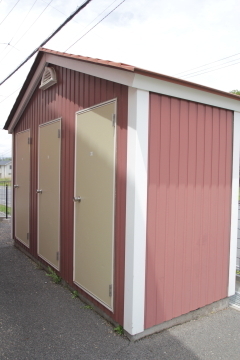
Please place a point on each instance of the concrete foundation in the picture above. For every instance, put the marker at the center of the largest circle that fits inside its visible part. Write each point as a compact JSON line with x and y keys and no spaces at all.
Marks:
{"x":193,"y":315}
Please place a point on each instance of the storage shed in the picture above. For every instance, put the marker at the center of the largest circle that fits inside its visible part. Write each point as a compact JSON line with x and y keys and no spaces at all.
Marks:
{"x":126,"y":183}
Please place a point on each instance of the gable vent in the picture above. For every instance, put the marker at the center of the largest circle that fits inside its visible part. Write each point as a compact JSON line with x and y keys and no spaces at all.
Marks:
{"x":49,"y":78}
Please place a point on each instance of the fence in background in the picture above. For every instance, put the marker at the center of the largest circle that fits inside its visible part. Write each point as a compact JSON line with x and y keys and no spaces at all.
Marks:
{"x":5,"y":198}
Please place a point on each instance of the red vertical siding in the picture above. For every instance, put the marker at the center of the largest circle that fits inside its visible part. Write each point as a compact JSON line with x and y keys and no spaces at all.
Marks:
{"x":189,"y":189}
{"x":74,"y":92}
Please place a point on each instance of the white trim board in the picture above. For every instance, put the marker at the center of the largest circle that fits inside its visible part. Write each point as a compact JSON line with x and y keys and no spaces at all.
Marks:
{"x":146,"y":83}
{"x":136,"y":210}
{"x":234,"y":207}
{"x":127,"y":78}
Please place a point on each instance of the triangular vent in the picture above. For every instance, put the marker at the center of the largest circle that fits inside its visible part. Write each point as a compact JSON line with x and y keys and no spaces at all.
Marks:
{"x":49,"y":78}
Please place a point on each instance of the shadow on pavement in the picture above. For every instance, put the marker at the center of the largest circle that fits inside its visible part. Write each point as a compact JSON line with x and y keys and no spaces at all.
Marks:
{"x":40,"y":320}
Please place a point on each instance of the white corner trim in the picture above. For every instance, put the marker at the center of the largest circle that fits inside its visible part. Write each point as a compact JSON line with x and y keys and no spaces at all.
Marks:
{"x":13,"y":176}
{"x":136,"y":210}
{"x":234,"y":208}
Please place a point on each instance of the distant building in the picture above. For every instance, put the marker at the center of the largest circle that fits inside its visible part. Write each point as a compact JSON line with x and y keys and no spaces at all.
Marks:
{"x":5,"y":169}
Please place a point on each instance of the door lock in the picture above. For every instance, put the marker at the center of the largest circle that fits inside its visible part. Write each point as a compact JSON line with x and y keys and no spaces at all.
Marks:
{"x":16,"y":186}
{"x":39,"y":191}
{"x":77,"y":198}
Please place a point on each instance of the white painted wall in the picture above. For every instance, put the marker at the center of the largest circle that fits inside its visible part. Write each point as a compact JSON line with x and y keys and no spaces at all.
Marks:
{"x":136,"y":210}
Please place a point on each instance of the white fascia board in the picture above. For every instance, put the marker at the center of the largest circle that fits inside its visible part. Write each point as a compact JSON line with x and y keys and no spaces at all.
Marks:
{"x":127,"y":78}
{"x":120,"y":76}
{"x":184,"y":92}
{"x":234,"y":209}
{"x":146,"y":83}
{"x":27,"y":96}
{"x":136,"y":210}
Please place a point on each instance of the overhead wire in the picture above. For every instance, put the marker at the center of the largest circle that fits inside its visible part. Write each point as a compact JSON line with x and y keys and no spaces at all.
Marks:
{"x":53,"y":7}
{"x":99,"y":14}
{"x":10,"y":95}
{"x":9,"y":12}
{"x":9,"y":43}
{"x":206,"y":64}
{"x":81,"y":7}
{"x":28,"y":29}
{"x":3,"y":154}
{"x":212,"y":67}
{"x":94,"y":26}
{"x":211,"y":70}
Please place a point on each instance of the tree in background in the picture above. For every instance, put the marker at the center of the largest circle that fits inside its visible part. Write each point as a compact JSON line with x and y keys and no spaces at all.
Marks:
{"x":235,"y":92}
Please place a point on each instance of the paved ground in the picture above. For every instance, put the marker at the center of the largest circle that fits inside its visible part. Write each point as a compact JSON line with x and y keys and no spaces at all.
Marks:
{"x":40,"y":320}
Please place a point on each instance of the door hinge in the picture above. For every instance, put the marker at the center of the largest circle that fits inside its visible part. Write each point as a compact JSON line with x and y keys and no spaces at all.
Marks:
{"x":57,"y":255}
{"x":114,"y":120}
{"x":110,"y":290}
{"x":29,"y":140}
{"x":27,"y":236}
{"x":59,"y":133}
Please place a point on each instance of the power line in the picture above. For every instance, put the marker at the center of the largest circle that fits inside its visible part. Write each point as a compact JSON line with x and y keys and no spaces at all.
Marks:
{"x":10,"y":95}
{"x":212,"y":67}
{"x":59,"y":11}
{"x":34,"y":21}
{"x":93,"y":26}
{"x":213,"y":70}
{"x":206,"y":64}
{"x":9,"y":43}
{"x":9,"y":12}
{"x":28,"y":28}
{"x":49,"y":38}
{"x":100,"y":14}
{"x":5,"y":152}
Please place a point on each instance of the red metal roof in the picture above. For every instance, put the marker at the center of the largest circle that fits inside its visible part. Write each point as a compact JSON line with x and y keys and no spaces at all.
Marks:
{"x":143,"y":72}
{"x":89,"y":59}
{"x":112,"y":64}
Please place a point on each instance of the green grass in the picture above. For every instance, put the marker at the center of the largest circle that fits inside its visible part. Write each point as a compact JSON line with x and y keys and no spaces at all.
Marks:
{"x":3,"y":209}
{"x":55,"y":278}
{"x":4,"y":181}
{"x":119,"y":330}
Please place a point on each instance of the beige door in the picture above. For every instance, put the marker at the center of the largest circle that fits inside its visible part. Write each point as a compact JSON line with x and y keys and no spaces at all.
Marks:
{"x":48,"y":192}
{"x":22,"y":186}
{"x":94,"y":213}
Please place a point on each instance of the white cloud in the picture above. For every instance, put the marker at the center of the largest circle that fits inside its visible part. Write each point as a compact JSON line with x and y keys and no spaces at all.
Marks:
{"x":164,"y":36}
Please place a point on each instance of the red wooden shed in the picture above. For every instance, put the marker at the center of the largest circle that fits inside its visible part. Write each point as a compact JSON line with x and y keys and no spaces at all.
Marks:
{"x":126,"y":183}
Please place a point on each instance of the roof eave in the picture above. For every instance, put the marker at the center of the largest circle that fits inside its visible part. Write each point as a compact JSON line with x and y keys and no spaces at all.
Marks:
{"x":109,"y":64}
{"x":185,"y":83}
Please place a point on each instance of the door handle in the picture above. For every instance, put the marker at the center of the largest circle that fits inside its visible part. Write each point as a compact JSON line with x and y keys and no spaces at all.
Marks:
{"x":16,"y":186}
{"x":39,"y":191}
{"x":77,"y":198}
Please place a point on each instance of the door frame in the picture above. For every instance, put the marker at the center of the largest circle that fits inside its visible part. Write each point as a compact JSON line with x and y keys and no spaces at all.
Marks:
{"x":29,"y":187}
{"x":114,"y":100}
{"x":59,"y":209}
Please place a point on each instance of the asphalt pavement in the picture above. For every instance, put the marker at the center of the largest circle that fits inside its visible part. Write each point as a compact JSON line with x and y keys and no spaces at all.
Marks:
{"x":40,"y":320}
